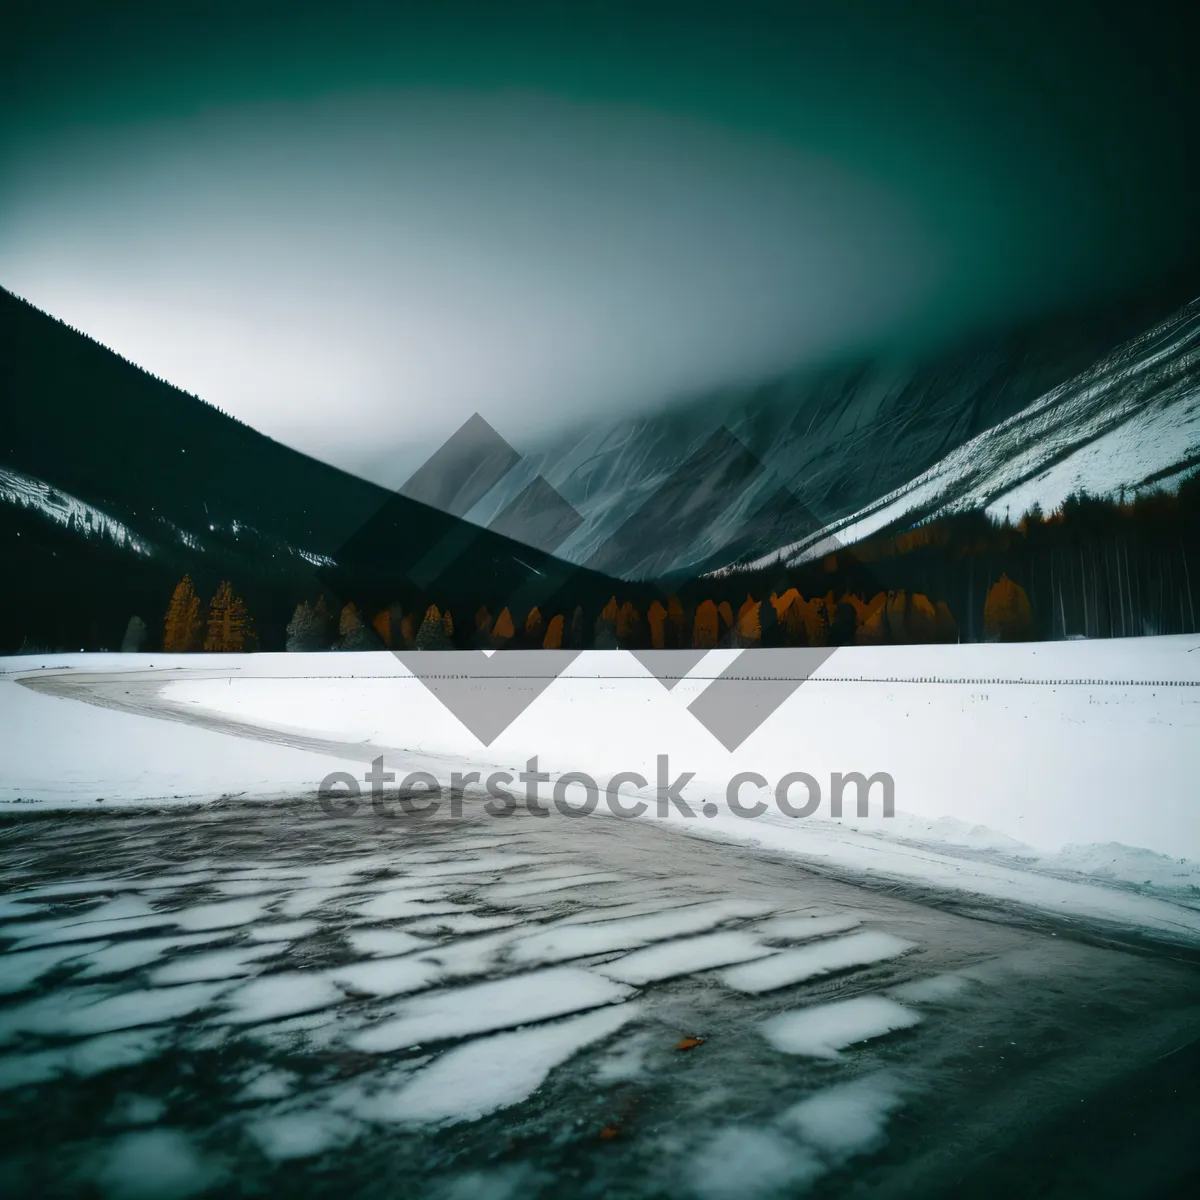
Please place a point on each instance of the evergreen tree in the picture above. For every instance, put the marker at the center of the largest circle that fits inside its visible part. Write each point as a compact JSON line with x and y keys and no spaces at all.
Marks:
{"x":579,"y":638}
{"x":606,"y":627}
{"x":181,"y":628}
{"x":396,"y":626}
{"x":432,"y":634}
{"x":308,"y":630}
{"x":482,"y":639}
{"x":134,"y":641}
{"x":725,"y":629}
{"x":353,"y":633}
{"x":678,"y":629}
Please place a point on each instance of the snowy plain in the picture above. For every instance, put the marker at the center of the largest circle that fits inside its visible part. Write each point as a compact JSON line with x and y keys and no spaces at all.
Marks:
{"x":1045,"y":771}
{"x":255,"y":990}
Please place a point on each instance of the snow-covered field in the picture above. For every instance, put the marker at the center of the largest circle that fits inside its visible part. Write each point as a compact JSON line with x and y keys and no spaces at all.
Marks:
{"x":1019,"y":771}
{"x":197,"y":989}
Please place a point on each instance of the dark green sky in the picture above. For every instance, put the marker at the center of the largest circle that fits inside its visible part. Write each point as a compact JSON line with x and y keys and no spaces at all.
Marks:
{"x":376,"y":215}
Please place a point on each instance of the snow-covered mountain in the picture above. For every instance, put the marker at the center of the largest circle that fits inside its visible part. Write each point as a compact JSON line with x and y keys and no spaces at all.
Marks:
{"x":1128,"y":423}
{"x":1101,"y":402}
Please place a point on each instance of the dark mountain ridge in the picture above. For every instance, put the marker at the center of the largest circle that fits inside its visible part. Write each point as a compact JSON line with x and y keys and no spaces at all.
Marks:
{"x":114,"y":483}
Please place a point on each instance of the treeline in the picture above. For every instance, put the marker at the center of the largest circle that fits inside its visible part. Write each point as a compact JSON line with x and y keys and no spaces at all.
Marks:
{"x":787,"y":620}
{"x":1092,"y":568}
{"x":223,"y":628}
{"x":1095,"y":567}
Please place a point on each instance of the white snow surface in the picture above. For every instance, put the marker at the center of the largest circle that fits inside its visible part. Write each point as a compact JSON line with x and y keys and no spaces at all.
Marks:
{"x":1057,"y":774}
{"x":685,"y":956}
{"x":822,"y":1030}
{"x":497,"y":1004}
{"x":494,"y":1072}
{"x":810,"y":962}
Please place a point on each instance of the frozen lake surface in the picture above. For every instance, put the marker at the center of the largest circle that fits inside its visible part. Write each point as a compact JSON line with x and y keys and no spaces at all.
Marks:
{"x":239,"y":999}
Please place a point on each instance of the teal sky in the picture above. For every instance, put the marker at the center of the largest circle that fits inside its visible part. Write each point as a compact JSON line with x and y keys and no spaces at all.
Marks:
{"x":352,"y":227}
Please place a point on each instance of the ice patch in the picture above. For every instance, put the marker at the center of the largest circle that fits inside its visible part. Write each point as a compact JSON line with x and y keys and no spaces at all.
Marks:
{"x":396,"y":906}
{"x":470,"y":1081}
{"x":154,"y":1163}
{"x":573,"y":940}
{"x":150,"y":1006}
{"x":460,"y":923}
{"x":19,"y":971}
{"x":246,"y":887}
{"x":283,"y":931}
{"x":132,"y":953}
{"x":54,"y":933}
{"x":385,"y":941}
{"x":83,"y":1060}
{"x":824,"y":1029}
{"x":385,"y":976}
{"x":468,"y":956}
{"x":498,"y":1004}
{"x":809,"y":962}
{"x":801,"y":929}
{"x":539,"y":887}
{"x":301,"y":1135}
{"x":223,"y":914}
{"x":626,"y":1062}
{"x":740,"y":1164}
{"x":684,"y":957}
{"x":846,"y":1119}
{"x":283,"y":994}
{"x":301,"y":903}
{"x":220,"y":964}
{"x":485,"y":864}
{"x":270,"y":1085}
{"x":931,"y":990}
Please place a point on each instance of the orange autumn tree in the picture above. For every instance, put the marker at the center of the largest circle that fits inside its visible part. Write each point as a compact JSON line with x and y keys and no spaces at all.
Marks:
{"x":704,"y":630}
{"x":630,"y":630}
{"x":554,"y":634}
{"x":946,"y":625}
{"x":503,"y":631}
{"x":435,"y":630}
{"x":181,"y":627}
{"x":748,"y":628}
{"x":228,"y":624}
{"x":381,"y":622}
{"x":1007,"y":616}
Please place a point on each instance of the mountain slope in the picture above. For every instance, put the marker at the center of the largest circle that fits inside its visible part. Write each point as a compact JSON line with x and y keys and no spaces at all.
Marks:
{"x":1130,"y":421}
{"x":821,"y":446}
{"x":114,"y":483}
